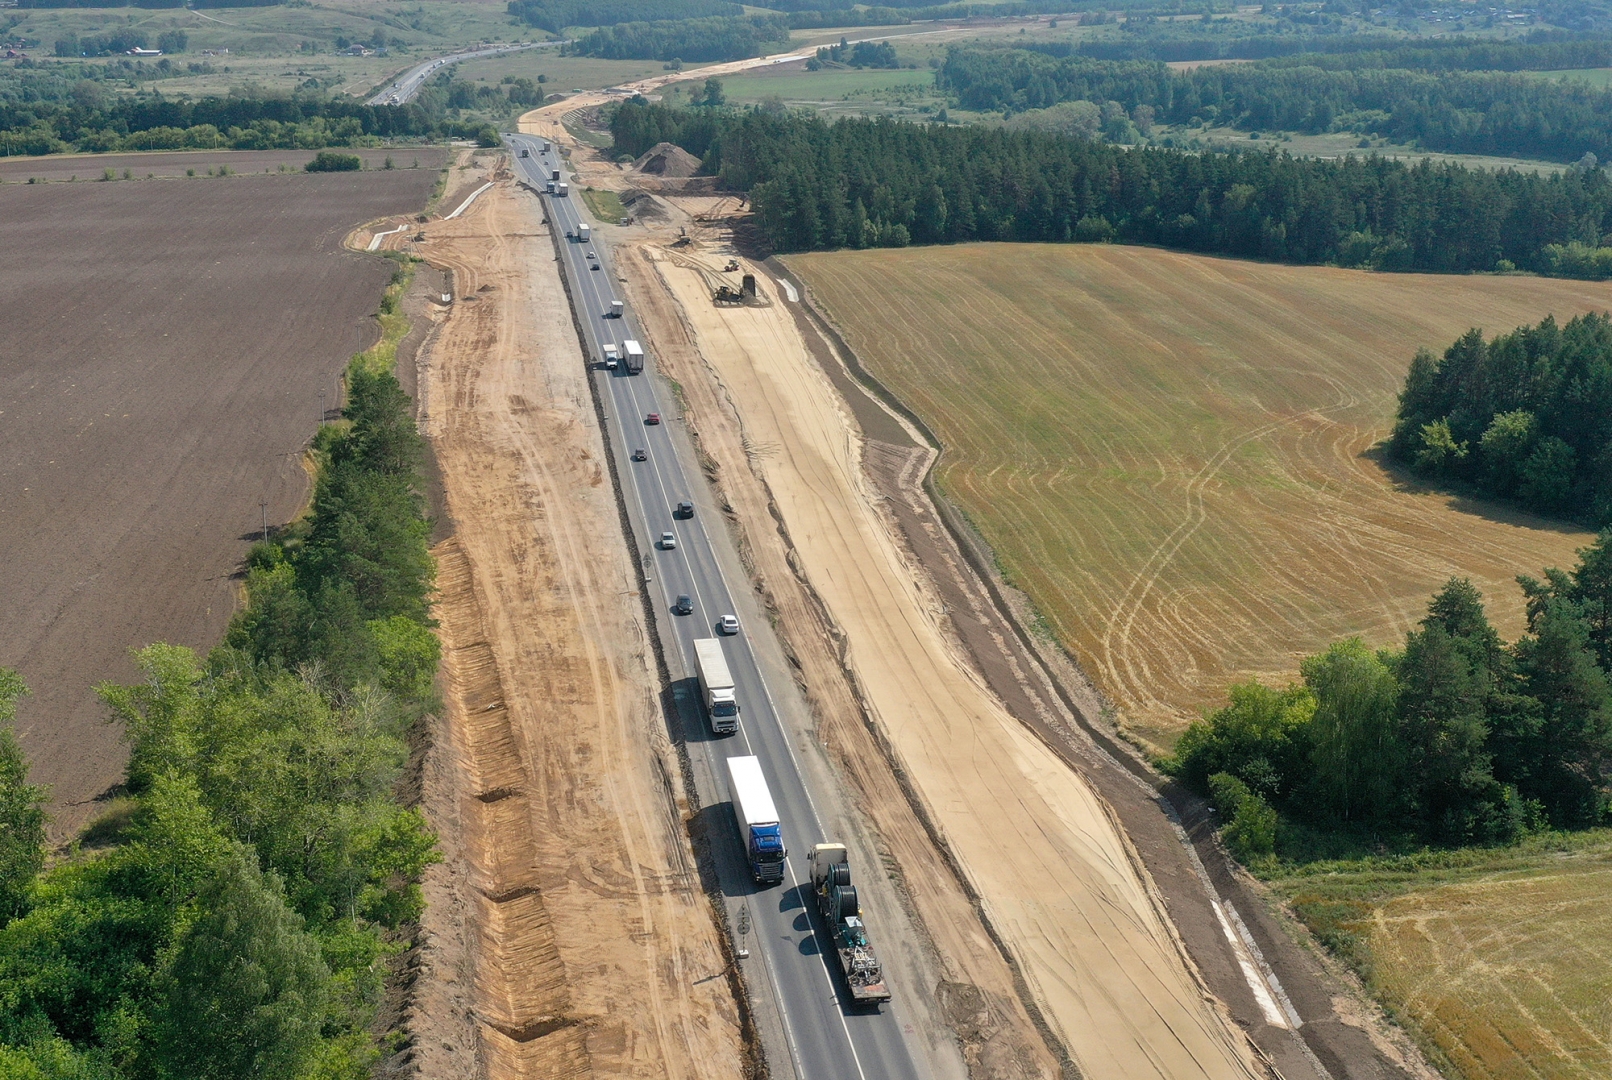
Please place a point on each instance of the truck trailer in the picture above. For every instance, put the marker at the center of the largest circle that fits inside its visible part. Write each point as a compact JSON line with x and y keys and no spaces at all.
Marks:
{"x":842,"y":918}
{"x":584,"y":232}
{"x":716,"y":684}
{"x":758,"y":821}
{"x":562,"y":190}
{"x":633,"y":354}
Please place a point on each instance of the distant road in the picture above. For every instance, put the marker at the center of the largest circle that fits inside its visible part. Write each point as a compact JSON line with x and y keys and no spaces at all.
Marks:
{"x":408,"y":84}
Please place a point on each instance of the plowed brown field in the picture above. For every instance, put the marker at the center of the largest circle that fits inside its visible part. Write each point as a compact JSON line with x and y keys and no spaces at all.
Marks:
{"x":1172,"y":454}
{"x":163,"y":352}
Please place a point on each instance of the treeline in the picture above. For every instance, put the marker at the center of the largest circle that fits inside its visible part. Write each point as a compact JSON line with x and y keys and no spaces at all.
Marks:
{"x":859,"y":183}
{"x":814,"y":15}
{"x":235,"y":914}
{"x":864,"y":54}
{"x":693,"y":40}
{"x":1458,"y":738}
{"x":555,"y":15}
{"x":1542,"y":50}
{"x":146,"y":3}
{"x":108,"y":122}
{"x":1459,"y":112}
{"x":1525,"y":416}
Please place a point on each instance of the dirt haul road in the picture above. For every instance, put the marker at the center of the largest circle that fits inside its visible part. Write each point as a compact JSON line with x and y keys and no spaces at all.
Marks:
{"x":571,"y":904}
{"x":1057,"y":877}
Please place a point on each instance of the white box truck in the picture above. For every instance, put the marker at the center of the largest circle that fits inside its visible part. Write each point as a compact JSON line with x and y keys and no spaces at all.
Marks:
{"x":634,"y":354}
{"x":612,"y":357}
{"x":759,"y":827}
{"x":584,"y":231}
{"x":616,"y":308}
{"x":716,"y":686}
{"x":563,"y":190}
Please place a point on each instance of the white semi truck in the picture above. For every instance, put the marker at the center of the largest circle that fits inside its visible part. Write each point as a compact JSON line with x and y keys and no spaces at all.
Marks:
{"x":633,"y":353}
{"x":716,"y":685}
{"x":759,"y":827}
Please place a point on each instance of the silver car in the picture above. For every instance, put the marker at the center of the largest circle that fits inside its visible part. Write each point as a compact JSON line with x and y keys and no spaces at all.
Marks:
{"x":668,"y":541}
{"x":728,"y":624}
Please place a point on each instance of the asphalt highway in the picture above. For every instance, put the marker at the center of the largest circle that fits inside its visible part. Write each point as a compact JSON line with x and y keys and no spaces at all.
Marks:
{"x":791,"y":957}
{"x":408,"y":84}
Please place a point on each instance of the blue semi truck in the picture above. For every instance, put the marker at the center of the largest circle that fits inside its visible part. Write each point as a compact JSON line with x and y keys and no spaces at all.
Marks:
{"x":758,"y":821}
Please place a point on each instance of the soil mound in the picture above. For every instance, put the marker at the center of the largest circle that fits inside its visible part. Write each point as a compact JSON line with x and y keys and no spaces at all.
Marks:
{"x":669,"y":160}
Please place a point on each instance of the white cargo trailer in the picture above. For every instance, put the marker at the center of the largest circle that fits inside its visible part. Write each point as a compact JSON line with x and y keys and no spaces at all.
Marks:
{"x":634,"y":354}
{"x":716,"y":686}
{"x":758,"y":821}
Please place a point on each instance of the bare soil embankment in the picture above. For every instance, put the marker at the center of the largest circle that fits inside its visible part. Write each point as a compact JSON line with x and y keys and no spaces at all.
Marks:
{"x":1056,"y":878}
{"x":164,"y":354}
{"x":571,"y":905}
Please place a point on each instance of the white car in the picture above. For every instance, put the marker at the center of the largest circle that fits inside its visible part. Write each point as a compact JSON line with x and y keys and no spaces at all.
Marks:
{"x":668,"y":542}
{"x":728,"y":624}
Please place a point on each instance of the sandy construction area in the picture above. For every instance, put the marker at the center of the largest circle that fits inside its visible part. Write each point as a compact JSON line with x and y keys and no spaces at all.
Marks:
{"x":1056,"y":877}
{"x":575,"y":910}
{"x":1172,"y":454}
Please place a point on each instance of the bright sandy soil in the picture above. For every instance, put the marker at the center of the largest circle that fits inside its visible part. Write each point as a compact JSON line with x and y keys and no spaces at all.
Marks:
{"x":1172,"y":454}
{"x":1056,"y":876}
{"x":591,"y":948}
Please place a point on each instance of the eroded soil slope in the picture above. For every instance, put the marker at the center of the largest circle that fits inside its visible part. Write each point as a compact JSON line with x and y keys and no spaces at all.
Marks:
{"x":588,"y":945}
{"x":167,"y":350}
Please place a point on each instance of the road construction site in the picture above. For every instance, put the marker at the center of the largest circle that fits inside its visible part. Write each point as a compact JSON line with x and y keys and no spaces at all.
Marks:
{"x":1046,"y":940}
{"x":568,"y":931}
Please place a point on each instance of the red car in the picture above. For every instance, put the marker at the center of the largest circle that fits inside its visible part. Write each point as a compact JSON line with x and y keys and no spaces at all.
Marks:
{"x":652,"y":418}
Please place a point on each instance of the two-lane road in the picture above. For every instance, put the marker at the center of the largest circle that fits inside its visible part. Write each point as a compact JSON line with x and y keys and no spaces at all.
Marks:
{"x":790,"y":959}
{"x":402,"y":89}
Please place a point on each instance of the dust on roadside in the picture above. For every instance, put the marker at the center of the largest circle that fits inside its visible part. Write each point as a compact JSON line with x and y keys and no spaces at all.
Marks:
{"x":567,"y":933}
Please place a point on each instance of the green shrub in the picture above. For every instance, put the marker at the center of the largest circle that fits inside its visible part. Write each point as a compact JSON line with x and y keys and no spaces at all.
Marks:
{"x":329,"y":161}
{"x":1250,"y":823}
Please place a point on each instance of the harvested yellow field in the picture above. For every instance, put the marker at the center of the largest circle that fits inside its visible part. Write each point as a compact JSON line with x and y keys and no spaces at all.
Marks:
{"x":1173,"y":454}
{"x":1499,"y":960}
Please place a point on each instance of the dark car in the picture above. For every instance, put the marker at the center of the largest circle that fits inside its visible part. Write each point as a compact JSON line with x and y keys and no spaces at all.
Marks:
{"x":640,"y":454}
{"x":684,"y":510}
{"x":652,"y":418}
{"x":684,"y":606}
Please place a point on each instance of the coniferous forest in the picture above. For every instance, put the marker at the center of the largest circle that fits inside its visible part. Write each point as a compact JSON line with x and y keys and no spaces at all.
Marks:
{"x":857,"y":183}
{"x":1525,"y":416}
{"x":1457,"y":738}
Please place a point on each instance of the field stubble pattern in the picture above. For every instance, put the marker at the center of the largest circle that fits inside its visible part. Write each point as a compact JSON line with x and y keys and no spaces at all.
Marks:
{"x":161,"y":367}
{"x":1173,"y":455}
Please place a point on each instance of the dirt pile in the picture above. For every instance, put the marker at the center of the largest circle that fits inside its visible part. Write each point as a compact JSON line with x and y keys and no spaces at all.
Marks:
{"x":591,"y":949}
{"x":669,"y":160}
